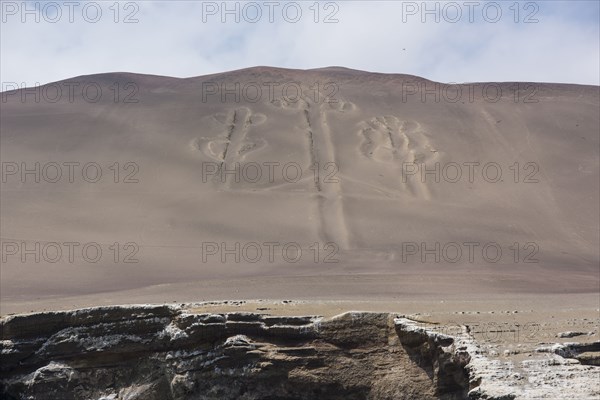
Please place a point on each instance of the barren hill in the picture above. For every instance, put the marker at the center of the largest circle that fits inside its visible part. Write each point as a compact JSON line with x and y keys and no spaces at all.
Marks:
{"x":273,"y":183}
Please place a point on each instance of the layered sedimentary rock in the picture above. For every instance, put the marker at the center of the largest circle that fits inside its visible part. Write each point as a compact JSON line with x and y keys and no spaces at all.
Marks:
{"x":172,"y":352}
{"x":169,"y":353}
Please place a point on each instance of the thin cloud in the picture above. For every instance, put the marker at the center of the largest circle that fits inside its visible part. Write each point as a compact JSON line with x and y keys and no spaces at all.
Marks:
{"x":170,"y":38}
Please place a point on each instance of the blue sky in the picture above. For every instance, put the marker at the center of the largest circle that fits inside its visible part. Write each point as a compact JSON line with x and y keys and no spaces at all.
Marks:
{"x":560,"y":42}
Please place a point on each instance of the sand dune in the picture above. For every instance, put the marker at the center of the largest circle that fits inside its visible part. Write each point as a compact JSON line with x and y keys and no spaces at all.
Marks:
{"x":347,"y":174}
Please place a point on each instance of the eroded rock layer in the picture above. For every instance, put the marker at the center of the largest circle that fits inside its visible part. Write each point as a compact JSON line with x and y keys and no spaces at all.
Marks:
{"x":175,"y":352}
{"x":170,"y":353}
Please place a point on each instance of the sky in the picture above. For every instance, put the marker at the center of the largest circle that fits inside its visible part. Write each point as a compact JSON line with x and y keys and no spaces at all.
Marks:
{"x":445,"y":41}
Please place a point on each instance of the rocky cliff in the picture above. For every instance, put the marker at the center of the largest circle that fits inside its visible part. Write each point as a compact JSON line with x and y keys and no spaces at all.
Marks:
{"x":168,"y":353}
{"x":171,"y":352}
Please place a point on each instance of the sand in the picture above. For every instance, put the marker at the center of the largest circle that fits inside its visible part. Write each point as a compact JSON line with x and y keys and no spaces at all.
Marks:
{"x":172,"y":218}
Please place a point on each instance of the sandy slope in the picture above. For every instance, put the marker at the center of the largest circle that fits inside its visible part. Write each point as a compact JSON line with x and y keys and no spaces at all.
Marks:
{"x":374,"y":131}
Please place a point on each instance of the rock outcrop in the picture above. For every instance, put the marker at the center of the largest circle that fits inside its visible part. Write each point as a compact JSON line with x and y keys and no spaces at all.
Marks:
{"x":172,"y":352}
{"x":158,"y":353}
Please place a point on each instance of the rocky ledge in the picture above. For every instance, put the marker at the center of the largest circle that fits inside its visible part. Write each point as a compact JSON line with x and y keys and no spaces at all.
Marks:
{"x":171,"y":352}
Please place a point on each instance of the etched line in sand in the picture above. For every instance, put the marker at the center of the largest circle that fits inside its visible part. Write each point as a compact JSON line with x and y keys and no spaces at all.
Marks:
{"x":391,"y":141}
{"x":234,"y":145}
{"x":246,"y":145}
{"x":230,"y":131}
{"x":314,"y":156}
{"x":331,"y":216}
{"x":236,"y":140}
